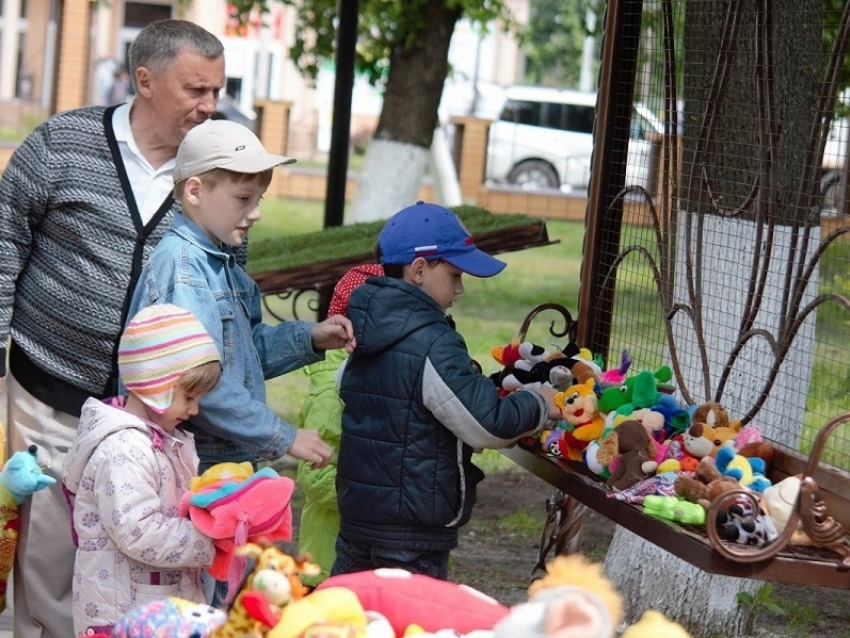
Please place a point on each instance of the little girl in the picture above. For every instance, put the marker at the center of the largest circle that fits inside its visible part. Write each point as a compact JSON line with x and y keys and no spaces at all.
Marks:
{"x":128,"y":467}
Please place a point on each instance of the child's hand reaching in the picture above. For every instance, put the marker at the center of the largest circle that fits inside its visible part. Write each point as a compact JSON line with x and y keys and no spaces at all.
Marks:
{"x":548,"y":395}
{"x":334,"y":332}
{"x":308,"y":446}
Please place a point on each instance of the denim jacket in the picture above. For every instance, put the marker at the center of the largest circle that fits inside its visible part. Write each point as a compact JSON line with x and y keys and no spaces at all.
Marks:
{"x":234,"y":424}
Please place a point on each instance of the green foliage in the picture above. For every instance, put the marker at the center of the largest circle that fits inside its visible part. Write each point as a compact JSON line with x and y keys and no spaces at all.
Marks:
{"x":553,"y":41}
{"x":522,"y":523}
{"x":384,"y":26}
{"x":762,"y":602}
{"x":800,"y":617}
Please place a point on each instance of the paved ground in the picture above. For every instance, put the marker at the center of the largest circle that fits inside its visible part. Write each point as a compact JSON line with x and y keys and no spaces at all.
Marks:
{"x":6,"y":616}
{"x":6,"y":624}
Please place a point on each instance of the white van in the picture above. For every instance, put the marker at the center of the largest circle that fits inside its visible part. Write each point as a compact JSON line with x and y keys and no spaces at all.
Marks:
{"x":544,"y":138}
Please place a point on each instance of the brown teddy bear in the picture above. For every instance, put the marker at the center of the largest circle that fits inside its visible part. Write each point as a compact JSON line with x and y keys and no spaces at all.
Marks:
{"x":710,"y":428}
{"x":707,"y":484}
{"x":628,"y":451}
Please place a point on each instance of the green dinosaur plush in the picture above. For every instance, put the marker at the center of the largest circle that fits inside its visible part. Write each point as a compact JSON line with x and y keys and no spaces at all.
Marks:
{"x":638,"y":391}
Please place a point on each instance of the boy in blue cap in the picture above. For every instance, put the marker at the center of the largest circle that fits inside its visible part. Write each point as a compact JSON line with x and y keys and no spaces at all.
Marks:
{"x":416,"y":404}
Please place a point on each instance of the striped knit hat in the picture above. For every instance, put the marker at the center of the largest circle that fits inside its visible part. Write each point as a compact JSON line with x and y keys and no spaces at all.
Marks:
{"x":158,"y":346}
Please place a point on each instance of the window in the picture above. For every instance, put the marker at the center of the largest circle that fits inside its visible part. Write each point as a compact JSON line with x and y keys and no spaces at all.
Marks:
{"x":138,"y":15}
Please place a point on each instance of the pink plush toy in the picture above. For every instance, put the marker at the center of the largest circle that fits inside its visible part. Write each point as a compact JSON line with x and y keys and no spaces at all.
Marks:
{"x":615,"y":376}
{"x":416,"y":599}
{"x":234,"y":512}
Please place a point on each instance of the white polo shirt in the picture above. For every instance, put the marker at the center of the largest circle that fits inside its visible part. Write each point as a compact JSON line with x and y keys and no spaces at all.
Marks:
{"x":150,"y":186}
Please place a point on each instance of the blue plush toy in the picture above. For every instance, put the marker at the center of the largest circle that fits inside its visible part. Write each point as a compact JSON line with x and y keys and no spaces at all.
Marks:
{"x":748,"y":472}
{"x":21,"y":476}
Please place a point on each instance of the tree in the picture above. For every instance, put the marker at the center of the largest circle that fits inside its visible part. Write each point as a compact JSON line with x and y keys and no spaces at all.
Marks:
{"x":403,"y":49}
{"x":553,"y":41}
{"x":752,"y":79}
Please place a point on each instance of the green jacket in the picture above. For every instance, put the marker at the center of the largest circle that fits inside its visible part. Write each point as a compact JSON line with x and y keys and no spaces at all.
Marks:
{"x":322,"y":411}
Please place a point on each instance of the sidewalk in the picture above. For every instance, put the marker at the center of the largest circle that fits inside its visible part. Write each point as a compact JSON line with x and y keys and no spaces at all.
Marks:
{"x":6,"y":616}
{"x":6,"y":624}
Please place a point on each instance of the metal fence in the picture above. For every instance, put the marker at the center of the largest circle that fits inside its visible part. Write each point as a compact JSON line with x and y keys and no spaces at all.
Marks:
{"x":733,"y":269}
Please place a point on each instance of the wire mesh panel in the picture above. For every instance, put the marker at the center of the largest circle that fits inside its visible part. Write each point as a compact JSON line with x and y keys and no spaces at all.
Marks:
{"x":719,"y":246}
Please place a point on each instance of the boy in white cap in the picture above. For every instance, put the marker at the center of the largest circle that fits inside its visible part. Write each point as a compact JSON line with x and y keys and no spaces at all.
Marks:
{"x":416,"y":405}
{"x":221,"y":172}
{"x":128,"y":467}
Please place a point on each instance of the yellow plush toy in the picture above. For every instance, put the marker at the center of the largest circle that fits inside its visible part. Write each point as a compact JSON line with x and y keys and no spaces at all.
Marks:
{"x":226,"y":471}
{"x":579,"y":408}
{"x":655,"y":625}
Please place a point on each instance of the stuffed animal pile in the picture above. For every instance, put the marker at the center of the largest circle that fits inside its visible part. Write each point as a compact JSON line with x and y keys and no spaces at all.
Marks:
{"x":234,"y":506}
{"x":573,"y":599}
{"x":626,"y":426}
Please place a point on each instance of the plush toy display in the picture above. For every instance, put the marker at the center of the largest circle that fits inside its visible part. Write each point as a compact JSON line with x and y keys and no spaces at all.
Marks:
{"x":633,"y":449}
{"x":273,"y":583}
{"x":20,"y":477}
{"x":705,"y":485}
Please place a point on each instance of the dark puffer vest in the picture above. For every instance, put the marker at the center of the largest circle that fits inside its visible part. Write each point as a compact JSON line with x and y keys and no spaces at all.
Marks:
{"x":415,"y":408}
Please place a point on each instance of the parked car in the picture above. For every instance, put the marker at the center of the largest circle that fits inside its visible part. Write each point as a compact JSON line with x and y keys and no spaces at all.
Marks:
{"x":833,"y":163}
{"x":543,"y":138}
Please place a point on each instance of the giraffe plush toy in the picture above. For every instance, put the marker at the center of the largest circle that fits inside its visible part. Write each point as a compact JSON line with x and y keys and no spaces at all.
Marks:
{"x":273,"y":583}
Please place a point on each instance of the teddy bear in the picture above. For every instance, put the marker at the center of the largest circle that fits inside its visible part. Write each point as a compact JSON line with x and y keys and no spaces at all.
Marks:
{"x":710,"y":428}
{"x":715,"y":415}
{"x":779,"y":501}
{"x":630,"y":445}
{"x":583,"y":423}
{"x":705,"y":485}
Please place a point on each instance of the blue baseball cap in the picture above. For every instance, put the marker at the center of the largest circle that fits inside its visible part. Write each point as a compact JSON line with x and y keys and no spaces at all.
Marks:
{"x":434,"y":232}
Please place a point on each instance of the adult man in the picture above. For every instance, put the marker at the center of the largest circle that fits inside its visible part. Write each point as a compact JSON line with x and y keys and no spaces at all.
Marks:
{"x":83,"y":202}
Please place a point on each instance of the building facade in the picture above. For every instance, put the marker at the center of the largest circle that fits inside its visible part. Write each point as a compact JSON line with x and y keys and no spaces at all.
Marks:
{"x":61,"y":54}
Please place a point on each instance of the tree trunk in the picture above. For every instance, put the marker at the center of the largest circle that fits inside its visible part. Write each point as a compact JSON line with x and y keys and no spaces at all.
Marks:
{"x":650,"y":578}
{"x":396,"y":159}
{"x":725,"y":235}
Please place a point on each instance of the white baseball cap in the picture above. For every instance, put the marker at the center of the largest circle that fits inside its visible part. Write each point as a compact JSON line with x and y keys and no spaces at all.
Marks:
{"x":223,"y":144}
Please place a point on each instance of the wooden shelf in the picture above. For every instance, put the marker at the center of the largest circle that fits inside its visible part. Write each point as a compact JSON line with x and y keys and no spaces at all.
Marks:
{"x":794,"y":564}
